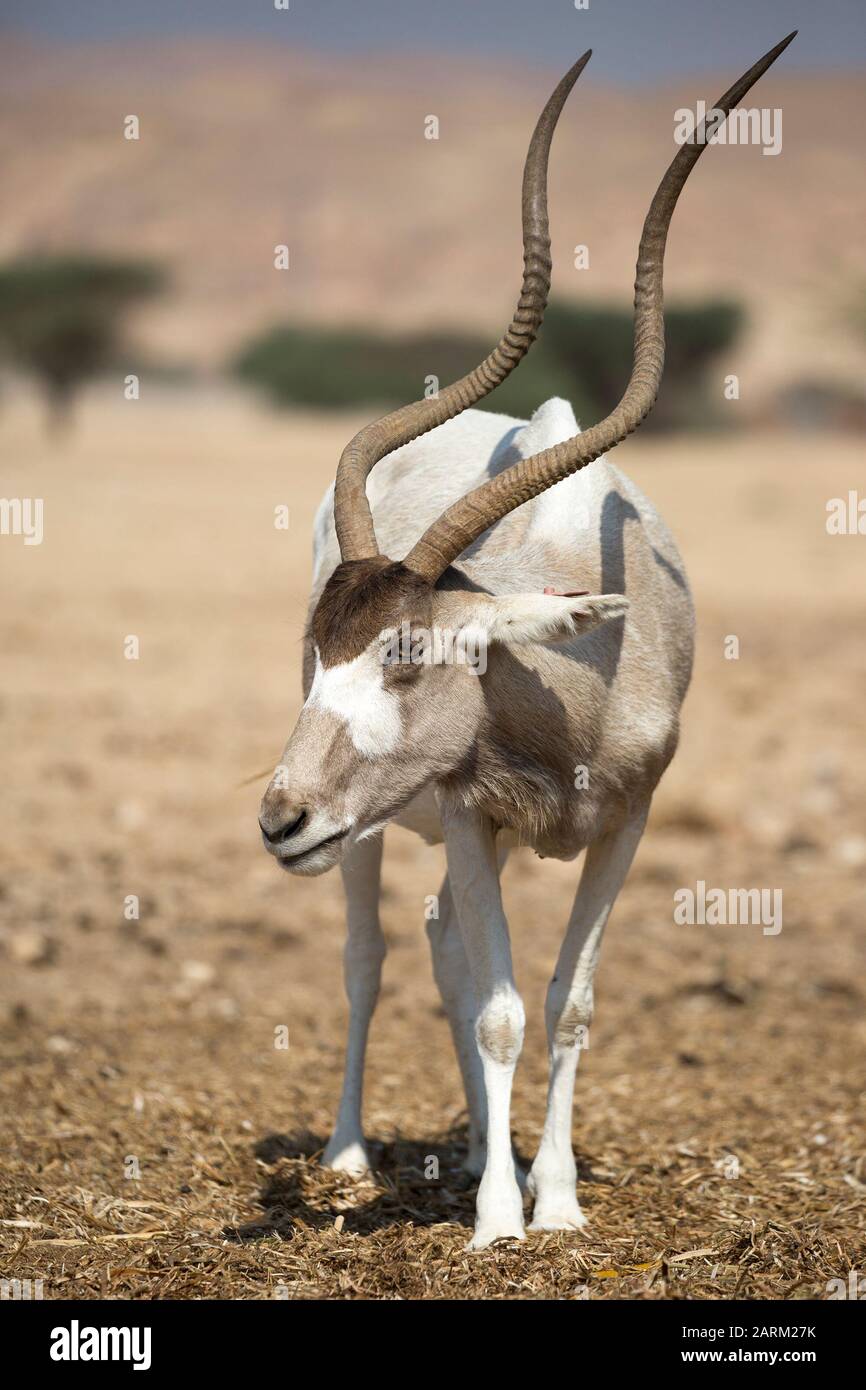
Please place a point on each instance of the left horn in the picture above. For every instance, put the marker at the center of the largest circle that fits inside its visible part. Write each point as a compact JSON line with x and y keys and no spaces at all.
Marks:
{"x":352,"y":516}
{"x":464,"y":521}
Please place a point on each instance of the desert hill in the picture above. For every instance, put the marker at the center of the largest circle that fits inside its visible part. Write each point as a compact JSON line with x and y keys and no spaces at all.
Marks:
{"x":243,"y":146}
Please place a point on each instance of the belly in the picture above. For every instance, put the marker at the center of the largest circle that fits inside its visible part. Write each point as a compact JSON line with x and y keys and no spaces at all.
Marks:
{"x":422,"y":817}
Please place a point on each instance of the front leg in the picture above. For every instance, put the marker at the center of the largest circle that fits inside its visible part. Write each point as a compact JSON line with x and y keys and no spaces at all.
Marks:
{"x":363,"y":957}
{"x":470,"y":847}
{"x":451,"y":972}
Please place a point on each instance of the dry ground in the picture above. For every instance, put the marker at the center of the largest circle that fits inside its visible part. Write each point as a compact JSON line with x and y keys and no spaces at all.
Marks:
{"x":719,"y":1116}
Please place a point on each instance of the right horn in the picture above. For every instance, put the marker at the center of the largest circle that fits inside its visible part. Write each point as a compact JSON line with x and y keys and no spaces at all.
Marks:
{"x":464,"y":521}
{"x":352,"y":516}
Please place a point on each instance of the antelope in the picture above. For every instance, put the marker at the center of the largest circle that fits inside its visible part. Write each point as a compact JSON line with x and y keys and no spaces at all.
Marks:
{"x":523,"y":537}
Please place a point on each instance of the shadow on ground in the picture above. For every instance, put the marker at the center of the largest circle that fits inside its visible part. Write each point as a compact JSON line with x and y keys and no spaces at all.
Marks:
{"x":420,"y":1181}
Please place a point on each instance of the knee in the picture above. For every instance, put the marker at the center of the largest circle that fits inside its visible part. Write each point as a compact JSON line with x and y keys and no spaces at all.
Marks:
{"x":568,"y":1015}
{"x":499,"y":1028}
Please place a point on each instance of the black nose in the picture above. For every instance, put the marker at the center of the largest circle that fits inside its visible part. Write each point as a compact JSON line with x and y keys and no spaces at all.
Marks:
{"x":286,"y":831}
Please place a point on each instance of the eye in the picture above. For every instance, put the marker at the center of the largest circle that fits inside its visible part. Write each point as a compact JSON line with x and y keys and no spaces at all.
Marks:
{"x":403,"y":652}
{"x":401,"y":674}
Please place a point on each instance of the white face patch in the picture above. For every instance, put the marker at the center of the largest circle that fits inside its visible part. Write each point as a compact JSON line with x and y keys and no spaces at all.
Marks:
{"x":355,"y":692}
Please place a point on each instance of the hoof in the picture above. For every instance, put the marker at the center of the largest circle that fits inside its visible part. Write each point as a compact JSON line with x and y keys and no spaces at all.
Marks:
{"x":488,"y":1235}
{"x":499,"y":1212}
{"x":564,"y":1216}
{"x":351,"y":1158}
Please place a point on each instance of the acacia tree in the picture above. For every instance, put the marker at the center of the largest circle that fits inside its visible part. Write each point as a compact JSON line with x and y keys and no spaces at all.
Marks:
{"x":583,"y":352}
{"x":61,"y":318}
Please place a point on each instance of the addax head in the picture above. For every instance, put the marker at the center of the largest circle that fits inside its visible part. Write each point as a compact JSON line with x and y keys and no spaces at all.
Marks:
{"x":396,"y":699}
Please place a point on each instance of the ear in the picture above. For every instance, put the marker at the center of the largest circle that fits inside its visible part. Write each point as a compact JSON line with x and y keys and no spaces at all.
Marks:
{"x":550,"y":617}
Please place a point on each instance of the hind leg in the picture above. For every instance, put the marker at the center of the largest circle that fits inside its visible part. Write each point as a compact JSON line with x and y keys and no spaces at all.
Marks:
{"x":568,"y":1011}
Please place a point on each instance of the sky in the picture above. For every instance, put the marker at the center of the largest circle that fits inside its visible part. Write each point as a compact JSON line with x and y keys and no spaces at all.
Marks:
{"x":634,"y":40}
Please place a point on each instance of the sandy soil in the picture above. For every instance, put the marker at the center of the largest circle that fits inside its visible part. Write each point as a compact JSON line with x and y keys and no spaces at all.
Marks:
{"x":719,"y":1116}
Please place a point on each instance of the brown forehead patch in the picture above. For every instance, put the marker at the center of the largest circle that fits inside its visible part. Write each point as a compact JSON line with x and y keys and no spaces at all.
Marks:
{"x":361,"y":598}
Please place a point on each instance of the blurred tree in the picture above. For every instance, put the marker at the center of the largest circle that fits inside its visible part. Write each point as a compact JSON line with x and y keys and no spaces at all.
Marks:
{"x":333,"y":367}
{"x":60,"y":318}
{"x":853,"y":307}
{"x":583,"y":353}
{"x":594,"y":344}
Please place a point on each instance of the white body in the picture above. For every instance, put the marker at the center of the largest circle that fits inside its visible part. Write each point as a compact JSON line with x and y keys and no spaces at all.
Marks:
{"x":618,"y":687}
